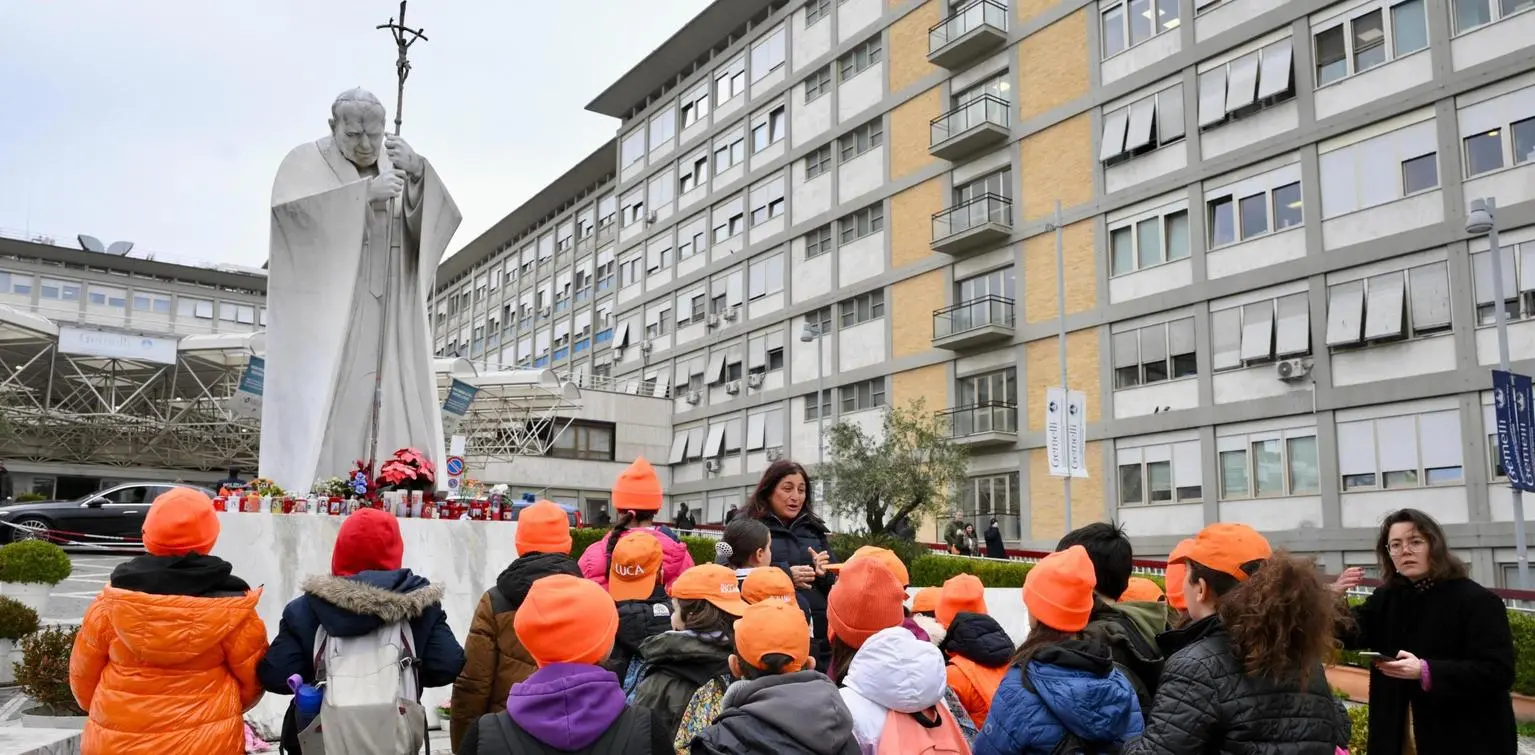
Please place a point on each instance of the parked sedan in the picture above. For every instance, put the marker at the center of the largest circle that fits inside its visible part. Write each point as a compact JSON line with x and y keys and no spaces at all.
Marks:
{"x":115,"y":512}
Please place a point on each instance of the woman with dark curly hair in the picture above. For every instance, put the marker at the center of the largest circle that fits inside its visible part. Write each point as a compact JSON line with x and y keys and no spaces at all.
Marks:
{"x":1245,"y":676}
{"x":783,"y":502}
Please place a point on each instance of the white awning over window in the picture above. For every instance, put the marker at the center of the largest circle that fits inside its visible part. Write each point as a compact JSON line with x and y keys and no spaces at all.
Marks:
{"x":1274,"y":75}
{"x":715,"y":445}
{"x":1114,"y":124}
{"x":1293,"y":327}
{"x":1384,"y":306}
{"x":1345,"y":313}
{"x":1258,"y":330}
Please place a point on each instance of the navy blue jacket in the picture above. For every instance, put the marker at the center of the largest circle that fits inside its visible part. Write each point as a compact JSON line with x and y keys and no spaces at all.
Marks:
{"x":352,"y":607}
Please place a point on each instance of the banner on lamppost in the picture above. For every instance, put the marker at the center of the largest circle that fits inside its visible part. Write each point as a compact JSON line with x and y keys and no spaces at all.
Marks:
{"x":1514,"y":411}
{"x":1066,"y":432}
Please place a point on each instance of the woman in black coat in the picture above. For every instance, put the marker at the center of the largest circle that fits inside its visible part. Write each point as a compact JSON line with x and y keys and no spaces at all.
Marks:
{"x":994,"y":545}
{"x":1453,"y":653}
{"x":782,"y":502}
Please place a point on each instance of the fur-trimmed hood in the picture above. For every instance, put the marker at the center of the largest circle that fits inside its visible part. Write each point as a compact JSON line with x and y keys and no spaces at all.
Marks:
{"x":935,"y":631}
{"x":356,"y":605}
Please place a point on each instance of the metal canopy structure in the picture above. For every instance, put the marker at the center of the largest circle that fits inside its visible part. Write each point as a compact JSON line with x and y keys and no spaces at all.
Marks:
{"x":68,"y":408}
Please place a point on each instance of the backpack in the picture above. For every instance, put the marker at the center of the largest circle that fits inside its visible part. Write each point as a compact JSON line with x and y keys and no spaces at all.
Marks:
{"x":629,"y":735}
{"x":931,"y":732}
{"x":370,"y":685}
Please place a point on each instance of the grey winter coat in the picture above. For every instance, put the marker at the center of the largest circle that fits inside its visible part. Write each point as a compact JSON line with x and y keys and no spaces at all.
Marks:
{"x":790,"y":714}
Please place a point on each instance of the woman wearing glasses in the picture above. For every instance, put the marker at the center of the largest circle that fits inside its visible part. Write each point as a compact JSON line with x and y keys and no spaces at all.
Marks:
{"x":1445,"y":665}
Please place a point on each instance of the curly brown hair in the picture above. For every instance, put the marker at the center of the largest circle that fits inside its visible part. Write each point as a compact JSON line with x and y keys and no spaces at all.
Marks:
{"x":1281,"y":619}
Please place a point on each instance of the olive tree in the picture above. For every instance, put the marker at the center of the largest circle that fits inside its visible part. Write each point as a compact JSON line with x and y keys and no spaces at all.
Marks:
{"x":907,"y":469}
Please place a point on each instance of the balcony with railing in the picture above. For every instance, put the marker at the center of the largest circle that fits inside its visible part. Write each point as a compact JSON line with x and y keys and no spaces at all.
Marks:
{"x":970,"y":128}
{"x":972,"y":323}
{"x":989,"y":423}
{"x":969,"y":32}
{"x":974,"y":225}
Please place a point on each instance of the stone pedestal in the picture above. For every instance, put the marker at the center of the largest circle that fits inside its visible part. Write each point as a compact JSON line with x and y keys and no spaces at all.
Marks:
{"x":20,"y":741}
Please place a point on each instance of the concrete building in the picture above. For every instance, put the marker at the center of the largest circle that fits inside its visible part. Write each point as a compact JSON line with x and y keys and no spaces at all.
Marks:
{"x":1270,"y":299}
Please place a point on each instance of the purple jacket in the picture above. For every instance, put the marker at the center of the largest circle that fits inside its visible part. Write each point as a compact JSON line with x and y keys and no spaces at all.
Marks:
{"x":567,"y":706}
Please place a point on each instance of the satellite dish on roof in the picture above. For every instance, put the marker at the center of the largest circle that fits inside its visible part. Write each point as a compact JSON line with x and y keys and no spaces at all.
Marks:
{"x":120,"y":248}
{"x":91,"y":243}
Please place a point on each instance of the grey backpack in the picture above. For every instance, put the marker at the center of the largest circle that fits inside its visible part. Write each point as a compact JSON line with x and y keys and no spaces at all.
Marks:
{"x":370,"y":685}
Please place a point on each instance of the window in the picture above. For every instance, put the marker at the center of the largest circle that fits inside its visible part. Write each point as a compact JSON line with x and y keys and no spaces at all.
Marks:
{"x":862,"y":308}
{"x":1142,"y":126}
{"x":1420,"y":173}
{"x":634,"y":209}
{"x":605,"y":273}
{"x":764,"y":276}
{"x":692,"y":173}
{"x":695,"y":106}
{"x":1246,"y":85}
{"x":227,"y":312}
{"x":60,"y":290}
{"x":765,"y":352}
{"x":658,"y":255}
{"x":1163,"y":473}
{"x":1124,"y":29}
{"x":583,"y":439}
{"x":768,"y":55}
{"x":814,"y":409}
{"x":860,"y":58}
{"x":1469,"y":14}
{"x":818,"y":161}
{"x":1390,"y":307}
{"x":1407,"y":451}
{"x":1364,"y":41}
{"x":663,"y":126}
{"x":691,"y":238}
{"x":1154,"y":354}
{"x":767,"y":200}
{"x":160,"y":305}
{"x":729,"y":151}
{"x":730,"y":82}
{"x":607,"y":207}
{"x":1485,"y":153}
{"x":764,"y":429}
{"x":996,"y":496}
{"x":633,"y":148}
{"x":1269,"y":465}
{"x":818,"y":241}
{"x":815,"y":10}
{"x":818,"y":83}
{"x":1518,"y":263}
{"x":658,"y":321}
{"x":857,"y":397}
{"x":862,"y":223}
{"x":999,"y":387}
{"x":1150,"y":242}
{"x":1361,"y":175}
{"x":16,"y":283}
{"x":1232,"y":219}
{"x":821,"y":319}
{"x":769,"y":131}
{"x":1260,"y":332}
{"x":108,"y":296}
{"x":862,"y":139}
{"x":630,"y":271}
{"x":1001,"y":283}
{"x":729,"y":220}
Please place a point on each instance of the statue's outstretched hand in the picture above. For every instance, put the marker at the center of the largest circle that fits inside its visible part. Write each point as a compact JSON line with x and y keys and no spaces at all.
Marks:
{"x":402,"y":156}
{"x":386,"y":187}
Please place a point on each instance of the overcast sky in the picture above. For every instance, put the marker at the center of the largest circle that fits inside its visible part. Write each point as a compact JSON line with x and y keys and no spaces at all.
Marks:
{"x":162,"y":122}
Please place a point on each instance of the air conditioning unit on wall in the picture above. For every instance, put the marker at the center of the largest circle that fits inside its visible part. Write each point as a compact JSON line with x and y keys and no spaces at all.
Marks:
{"x":1292,"y":370}
{"x":733,"y":387}
{"x":712,"y":465}
{"x":775,"y":453}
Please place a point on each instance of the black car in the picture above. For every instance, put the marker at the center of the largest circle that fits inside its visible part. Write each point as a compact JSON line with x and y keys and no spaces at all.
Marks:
{"x":117,"y":512}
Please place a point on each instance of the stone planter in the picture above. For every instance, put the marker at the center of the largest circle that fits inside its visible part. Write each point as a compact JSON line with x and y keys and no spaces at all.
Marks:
{"x":35,"y":718}
{"x":33,"y":595}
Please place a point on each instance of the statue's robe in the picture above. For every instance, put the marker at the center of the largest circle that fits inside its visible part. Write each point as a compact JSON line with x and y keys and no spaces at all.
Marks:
{"x":329,"y":270}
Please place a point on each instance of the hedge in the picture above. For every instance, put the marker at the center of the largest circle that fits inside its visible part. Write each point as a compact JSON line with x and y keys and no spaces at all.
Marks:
{"x":702,"y":548}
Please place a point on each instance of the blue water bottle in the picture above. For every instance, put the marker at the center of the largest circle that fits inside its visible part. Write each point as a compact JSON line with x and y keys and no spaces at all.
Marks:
{"x":307,"y":700}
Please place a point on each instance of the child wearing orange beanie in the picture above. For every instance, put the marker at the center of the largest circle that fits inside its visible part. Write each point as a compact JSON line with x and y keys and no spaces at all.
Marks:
{"x":637,"y":496}
{"x":1060,"y":685}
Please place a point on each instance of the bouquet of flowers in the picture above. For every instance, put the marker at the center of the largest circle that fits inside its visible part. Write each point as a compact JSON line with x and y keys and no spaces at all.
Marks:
{"x":263,"y":487}
{"x":360,"y":482}
{"x":409,"y":469}
{"x":335,"y":487}
{"x":473,"y":489}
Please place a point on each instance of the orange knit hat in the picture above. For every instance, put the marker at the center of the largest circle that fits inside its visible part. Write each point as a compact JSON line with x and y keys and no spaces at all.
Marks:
{"x":1059,"y":590}
{"x":886,"y":557}
{"x":767,"y":583}
{"x":179,"y":522}
{"x":637,"y":488}
{"x":962,"y":593}
{"x":866,"y":599}
{"x":1141,"y":590}
{"x":926,"y":600}
{"x":1178,"y":575}
{"x":543,"y":527}
{"x":566,"y":619}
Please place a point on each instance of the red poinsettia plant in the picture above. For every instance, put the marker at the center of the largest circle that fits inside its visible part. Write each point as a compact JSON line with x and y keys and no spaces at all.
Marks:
{"x":409,"y":469}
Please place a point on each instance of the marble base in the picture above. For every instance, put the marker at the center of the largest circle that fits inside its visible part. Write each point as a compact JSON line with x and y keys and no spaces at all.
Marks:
{"x":20,"y":741}
{"x":277,"y":551}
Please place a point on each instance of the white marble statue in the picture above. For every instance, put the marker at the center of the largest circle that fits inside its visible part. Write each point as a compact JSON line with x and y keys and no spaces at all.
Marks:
{"x":334,"y":288}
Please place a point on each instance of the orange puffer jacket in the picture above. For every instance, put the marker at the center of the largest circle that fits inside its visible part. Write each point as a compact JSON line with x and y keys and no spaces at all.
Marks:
{"x":167,"y":673}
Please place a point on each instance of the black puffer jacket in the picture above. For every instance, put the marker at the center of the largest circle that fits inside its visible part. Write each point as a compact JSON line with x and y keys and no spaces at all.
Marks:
{"x":978,"y":637}
{"x":638,"y":620}
{"x":792,"y":543}
{"x":1205,"y":704}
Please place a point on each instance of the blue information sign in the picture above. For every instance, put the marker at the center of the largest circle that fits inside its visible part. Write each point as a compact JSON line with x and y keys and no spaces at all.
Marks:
{"x":254,"y":378}
{"x":1514,"y":409}
{"x":460,"y":396}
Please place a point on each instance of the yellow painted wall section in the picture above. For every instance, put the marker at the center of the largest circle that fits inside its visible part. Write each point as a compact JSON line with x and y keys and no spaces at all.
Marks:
{"x":912,"y":303}
{"x":1047,"y":495}
{"x":930,"y":383}
{"x":911,"y":222}
{"x":911,"y":133}
{"x":1057,"y":164}
{"x":1080,"y":262}
{"x":1053,"y":66}
{"x":1043,"y":369}
{"x":1028,"y":9}
{"x":908,"y":45}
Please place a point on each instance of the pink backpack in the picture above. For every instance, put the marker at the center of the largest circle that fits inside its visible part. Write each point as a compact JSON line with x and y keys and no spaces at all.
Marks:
{"x":931,"y":732}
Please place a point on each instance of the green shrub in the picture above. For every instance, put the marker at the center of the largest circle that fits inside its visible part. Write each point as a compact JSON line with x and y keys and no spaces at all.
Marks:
{"x":844,"y":546}
{"x":1523,"y":627}
{"x":701,"y":548}
{"x":1359,"y":738}
{"x":43,"y":672}
{"x":34,"y":561}
{"x":16,"y":620}
{"x":30,"y":497}
{"x":933,"y":570}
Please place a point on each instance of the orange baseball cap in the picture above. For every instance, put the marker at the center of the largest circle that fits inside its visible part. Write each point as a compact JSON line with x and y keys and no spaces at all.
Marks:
{"x":634,"y":568}
{"x":566,"y":619}
{"x":767,"y":583}
{"x":543,"y":527}
{"x":886,"y":557}
{"x":866,"y":599}
{"x":1058,"y":590}
{"x":1226,"y":546}
{"x":773,"y":627}
{"x":962,"y":593}
{"x":714,"y":583}
{"x":1141,"y":590}
{"x":1178,"y":575}
{"x":926,"y":600}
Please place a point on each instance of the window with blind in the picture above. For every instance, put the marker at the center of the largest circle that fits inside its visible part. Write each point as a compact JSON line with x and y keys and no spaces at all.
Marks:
{"x":1408,"y":451}
{"x":1160,"y":473}
{"x":1389,"y":307}
{"x":1260,"y":332}
{"x":1154,"y":354}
